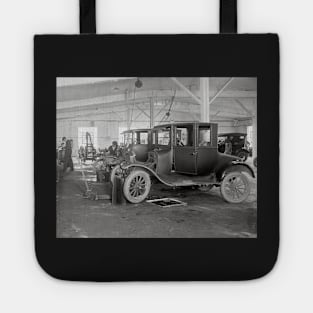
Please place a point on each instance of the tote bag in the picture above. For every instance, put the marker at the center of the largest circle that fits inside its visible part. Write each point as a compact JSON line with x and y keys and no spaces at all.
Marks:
{"x":166,"y":153}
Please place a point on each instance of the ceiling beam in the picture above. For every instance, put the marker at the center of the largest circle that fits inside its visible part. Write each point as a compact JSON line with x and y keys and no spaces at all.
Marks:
{"x":250,"y":114}
{"x":221,"y":90}
{"x":182,"y":86}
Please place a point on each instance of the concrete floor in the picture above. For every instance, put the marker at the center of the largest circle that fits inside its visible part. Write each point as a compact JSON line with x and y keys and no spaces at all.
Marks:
{"x":207,"y":215}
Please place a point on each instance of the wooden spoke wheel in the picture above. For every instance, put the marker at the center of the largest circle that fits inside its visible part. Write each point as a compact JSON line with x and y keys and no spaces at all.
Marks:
{"x":137,"y":186}
{"x":235,"y":187}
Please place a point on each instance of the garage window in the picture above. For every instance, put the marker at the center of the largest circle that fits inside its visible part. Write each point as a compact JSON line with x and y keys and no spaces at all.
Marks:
{"x":82,"y":131}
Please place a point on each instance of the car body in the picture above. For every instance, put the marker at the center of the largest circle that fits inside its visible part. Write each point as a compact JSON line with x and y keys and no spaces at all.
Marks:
{"x":184,"y":154}
{"x":239,"y":144}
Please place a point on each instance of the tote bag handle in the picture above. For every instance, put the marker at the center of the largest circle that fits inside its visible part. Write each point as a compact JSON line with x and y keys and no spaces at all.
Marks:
{"x":228,"y":16}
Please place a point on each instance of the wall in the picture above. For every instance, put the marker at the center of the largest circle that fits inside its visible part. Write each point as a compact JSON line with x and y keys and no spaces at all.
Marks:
{"x":107,"y":131}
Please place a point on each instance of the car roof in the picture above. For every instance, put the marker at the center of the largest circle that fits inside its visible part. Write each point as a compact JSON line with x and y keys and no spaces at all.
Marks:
{"x":184,"y":123}
{"x":232,"y":134}
{"x":135,"y":130}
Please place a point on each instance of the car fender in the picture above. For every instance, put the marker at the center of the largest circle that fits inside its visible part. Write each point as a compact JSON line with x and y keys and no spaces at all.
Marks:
{"x":235,"y":166}
{"x":149,"y":170}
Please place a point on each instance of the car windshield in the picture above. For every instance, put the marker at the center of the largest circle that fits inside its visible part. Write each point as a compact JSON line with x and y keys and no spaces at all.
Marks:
{"x":238,"y":140}
{"x":128,"y":138}
{"x":163,"y":136}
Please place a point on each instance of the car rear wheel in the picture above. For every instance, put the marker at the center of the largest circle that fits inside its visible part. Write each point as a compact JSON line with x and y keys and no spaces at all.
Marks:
{"x":235,"y":187}
{"x":137,"y":186}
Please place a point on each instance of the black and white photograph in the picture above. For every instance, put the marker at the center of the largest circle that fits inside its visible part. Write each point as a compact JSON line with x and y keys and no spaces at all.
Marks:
{"x":182,"y":139}
{"x":156,"y":157}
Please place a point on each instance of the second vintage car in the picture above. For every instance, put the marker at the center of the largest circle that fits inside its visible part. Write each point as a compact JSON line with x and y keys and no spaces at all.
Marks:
{"x":238,"y":143}
{"x":185,"y":154}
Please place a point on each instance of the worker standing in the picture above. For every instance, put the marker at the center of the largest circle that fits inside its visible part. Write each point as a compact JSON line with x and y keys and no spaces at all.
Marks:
{"x":62,"y":144}
{"x":68,"y":162}
{"x":113,"y":149}
{"x":61,"y":150}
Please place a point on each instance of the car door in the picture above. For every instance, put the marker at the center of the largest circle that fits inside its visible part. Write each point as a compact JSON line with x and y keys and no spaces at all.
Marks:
{"x":206,"y":148}
{"x":185,"y":155}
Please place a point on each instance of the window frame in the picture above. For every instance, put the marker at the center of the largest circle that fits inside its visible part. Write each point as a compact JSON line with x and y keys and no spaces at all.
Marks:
{"x":156,"y":137}
{"x":139,"y":134}
{"x":128,"y":134}
{"x":190,"y":135}
{"x":202,"y":127}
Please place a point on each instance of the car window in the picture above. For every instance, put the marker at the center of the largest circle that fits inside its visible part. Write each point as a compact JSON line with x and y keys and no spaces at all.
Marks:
{"x":143,"y":138}
{"x":184,"y":136}
{"x":221,"y":139}
{"x":163,"y":136}
{"x":204,"y":136}
{"x":128,"y":138}
{"x":136,"y":138}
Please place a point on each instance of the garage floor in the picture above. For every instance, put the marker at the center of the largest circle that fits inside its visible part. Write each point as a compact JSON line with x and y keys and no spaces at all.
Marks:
{"x":206,"y":214}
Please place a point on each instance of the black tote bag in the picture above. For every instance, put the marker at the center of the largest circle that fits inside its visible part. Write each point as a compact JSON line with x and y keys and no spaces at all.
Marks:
{"x":212,"y":93}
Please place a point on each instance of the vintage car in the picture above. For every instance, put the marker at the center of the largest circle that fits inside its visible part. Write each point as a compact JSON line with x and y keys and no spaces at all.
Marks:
{"x":134,"y":149}
{"x":239,"y":144}
{"x":136,"y":143}
{"x":186,"y":154}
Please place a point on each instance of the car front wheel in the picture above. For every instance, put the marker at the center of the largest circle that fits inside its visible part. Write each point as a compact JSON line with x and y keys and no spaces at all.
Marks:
{"x":235,"y":187}
{"x":137,"y":186}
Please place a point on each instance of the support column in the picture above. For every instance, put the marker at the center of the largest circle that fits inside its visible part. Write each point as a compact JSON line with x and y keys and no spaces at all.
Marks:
{"x":151,"y":113}
{"x":127,"y":110}
{"x":205,"y":99}
{"x":254,"y":137}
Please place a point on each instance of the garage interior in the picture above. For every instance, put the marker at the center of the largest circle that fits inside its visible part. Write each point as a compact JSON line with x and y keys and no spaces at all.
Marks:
{"x":107,"y":107}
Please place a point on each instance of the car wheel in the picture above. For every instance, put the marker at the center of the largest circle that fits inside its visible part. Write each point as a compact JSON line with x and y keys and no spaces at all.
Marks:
{"x":235,"y":187}
{"x":255,"y":162}
{"x":243,"y":155}
{"x":137,"y":186}
{"x":116,"y":171}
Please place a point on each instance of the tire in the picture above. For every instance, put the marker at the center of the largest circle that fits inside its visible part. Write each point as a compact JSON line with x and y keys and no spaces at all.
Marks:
{"x":255,"y":162}
{"x":235,"y":187}
{"x":243,"y":155}
{"x":115,"y":172}
{"x":137,"y":186}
